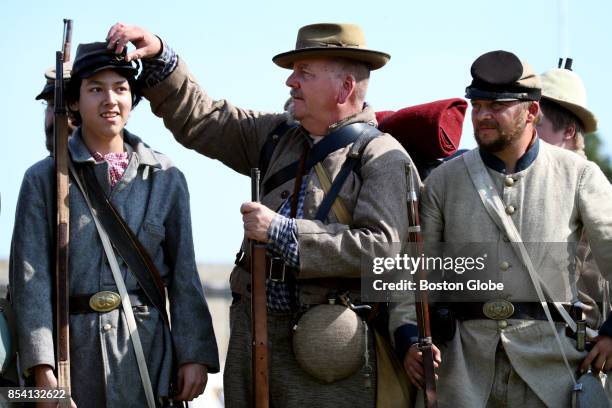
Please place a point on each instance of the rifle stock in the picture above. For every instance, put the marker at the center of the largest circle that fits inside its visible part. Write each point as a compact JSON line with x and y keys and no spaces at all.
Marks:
{"x":60,"y":130}
{"x":425,"y":344}
{"x":259,"y":312}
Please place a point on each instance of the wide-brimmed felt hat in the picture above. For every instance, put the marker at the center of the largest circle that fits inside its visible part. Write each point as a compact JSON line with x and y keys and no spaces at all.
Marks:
{"x":501,"y":75}
{"x":49,"y":88}
{"x":332,"y":40}
{"x":95,"y":57}
{"x":565,"y":88}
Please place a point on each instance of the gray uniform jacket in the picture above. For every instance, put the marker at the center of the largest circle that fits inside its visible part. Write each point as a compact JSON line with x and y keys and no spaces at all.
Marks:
{"x":153,"y":199}
{"x":330,"y":252}
{"x":553,"y":199}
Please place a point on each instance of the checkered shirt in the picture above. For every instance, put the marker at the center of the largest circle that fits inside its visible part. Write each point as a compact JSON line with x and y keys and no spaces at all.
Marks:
{"x":117,"y":163}
{"x":282,"y":242}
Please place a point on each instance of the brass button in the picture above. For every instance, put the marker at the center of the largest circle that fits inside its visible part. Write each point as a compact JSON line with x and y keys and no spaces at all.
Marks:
{"x":504,"y":266}
{"x":509,"y":181}
{"x":107,"y":327}
{"x":502,"y":324}
{"x":510,"y":210}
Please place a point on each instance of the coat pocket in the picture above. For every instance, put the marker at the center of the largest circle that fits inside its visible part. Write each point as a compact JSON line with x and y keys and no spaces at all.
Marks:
{"x":151,"y":237}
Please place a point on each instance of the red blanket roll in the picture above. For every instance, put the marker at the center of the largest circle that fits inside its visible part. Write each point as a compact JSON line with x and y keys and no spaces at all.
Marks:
{"x":429,"y":131}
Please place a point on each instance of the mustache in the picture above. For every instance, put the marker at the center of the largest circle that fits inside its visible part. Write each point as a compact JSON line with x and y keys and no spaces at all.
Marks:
{"x":487,"y":124}
{"x":295,"y":93}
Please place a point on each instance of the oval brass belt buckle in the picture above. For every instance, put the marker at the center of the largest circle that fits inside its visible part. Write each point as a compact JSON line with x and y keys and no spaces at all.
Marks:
{"x":498,"y":309}
{"x":104,"y":301}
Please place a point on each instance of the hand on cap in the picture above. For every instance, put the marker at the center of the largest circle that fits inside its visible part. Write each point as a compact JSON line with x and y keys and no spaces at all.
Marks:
{"x":147,"y":45}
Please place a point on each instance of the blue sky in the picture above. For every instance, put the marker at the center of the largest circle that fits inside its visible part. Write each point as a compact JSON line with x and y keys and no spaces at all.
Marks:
{"x":229,"y":45}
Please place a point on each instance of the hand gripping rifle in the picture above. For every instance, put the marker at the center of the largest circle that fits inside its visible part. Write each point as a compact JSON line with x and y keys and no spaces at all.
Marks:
{"x":60,"y":134}
{"x":259,"y":312}
{"x":425,"y":344}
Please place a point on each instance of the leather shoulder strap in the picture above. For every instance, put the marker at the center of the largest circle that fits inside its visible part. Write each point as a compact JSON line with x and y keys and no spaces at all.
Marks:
{"x":267,"y":150}
{"x":330,"y":143}
{"x":352,"y":163}
{"x":126,"y":243}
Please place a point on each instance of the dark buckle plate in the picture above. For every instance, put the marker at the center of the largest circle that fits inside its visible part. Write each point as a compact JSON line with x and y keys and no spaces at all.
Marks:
{"x":276,"y":273}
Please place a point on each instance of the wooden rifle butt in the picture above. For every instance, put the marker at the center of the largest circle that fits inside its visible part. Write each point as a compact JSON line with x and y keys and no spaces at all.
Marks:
{"x":259,"y":326}
{"x":431,"y":398}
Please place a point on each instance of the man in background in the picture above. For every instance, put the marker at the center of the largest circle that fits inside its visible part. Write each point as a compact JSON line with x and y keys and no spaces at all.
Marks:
{"x":48,"y":96}
{"x":565,"y":117}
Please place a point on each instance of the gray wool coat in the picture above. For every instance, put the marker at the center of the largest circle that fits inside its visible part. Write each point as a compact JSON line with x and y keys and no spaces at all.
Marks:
{"x":557,"y":197}
{"x":153,"y":199}
{"x":330,"y":252}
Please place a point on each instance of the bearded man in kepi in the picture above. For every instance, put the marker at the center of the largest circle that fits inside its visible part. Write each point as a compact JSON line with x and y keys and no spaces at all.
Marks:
{"x":510,"y":346}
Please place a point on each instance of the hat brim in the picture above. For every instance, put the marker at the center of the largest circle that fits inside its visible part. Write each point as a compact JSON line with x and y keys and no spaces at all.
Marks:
{"x":88,"y":72}
{"x":589,"y":121}
{"x":375,"y":59}
{"x":47,"y":92}
{"x":472,"y":92}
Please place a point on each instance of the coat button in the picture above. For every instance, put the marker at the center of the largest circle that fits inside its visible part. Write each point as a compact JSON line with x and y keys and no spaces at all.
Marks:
{"x":107,"y":327}
{"x":504,"y":266}
{"x":510,"y":210}
{"x":509,"y":181}
{"x":284,"y":194}
{"x":502,"y":324}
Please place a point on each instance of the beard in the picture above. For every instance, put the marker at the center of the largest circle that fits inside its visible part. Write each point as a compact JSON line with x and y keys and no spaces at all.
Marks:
{"x":506,"y":136}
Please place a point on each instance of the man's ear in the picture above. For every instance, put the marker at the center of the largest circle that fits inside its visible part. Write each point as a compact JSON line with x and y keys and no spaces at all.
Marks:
{"x":570,"y":132}
{"x":533,"y":111}
{"x":347,"y":88}
{"x":73,"y":106}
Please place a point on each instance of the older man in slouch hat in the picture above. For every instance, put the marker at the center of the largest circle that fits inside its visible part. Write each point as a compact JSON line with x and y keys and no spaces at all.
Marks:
{"x":316,"y":250}
{"x":513,"y":188}
{"x":48,"y":96}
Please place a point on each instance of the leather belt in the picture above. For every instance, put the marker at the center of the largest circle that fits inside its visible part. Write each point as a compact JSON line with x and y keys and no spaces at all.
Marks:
{"x":103,"y":302}
{"x":501,"y":310}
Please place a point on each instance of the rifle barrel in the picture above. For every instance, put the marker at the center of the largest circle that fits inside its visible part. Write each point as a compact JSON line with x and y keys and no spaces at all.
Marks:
{"x":255,"y":177}
{"x":259,"y":312}
{"x":67,"y":40}
{"x":422,"y":298}
{"x":60,"y":129}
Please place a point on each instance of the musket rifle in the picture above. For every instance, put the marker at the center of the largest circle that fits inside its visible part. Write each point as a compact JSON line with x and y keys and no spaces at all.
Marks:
{"x":60,"y":133}
{"x":259,"y":312}
{"x":425,"y":344}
